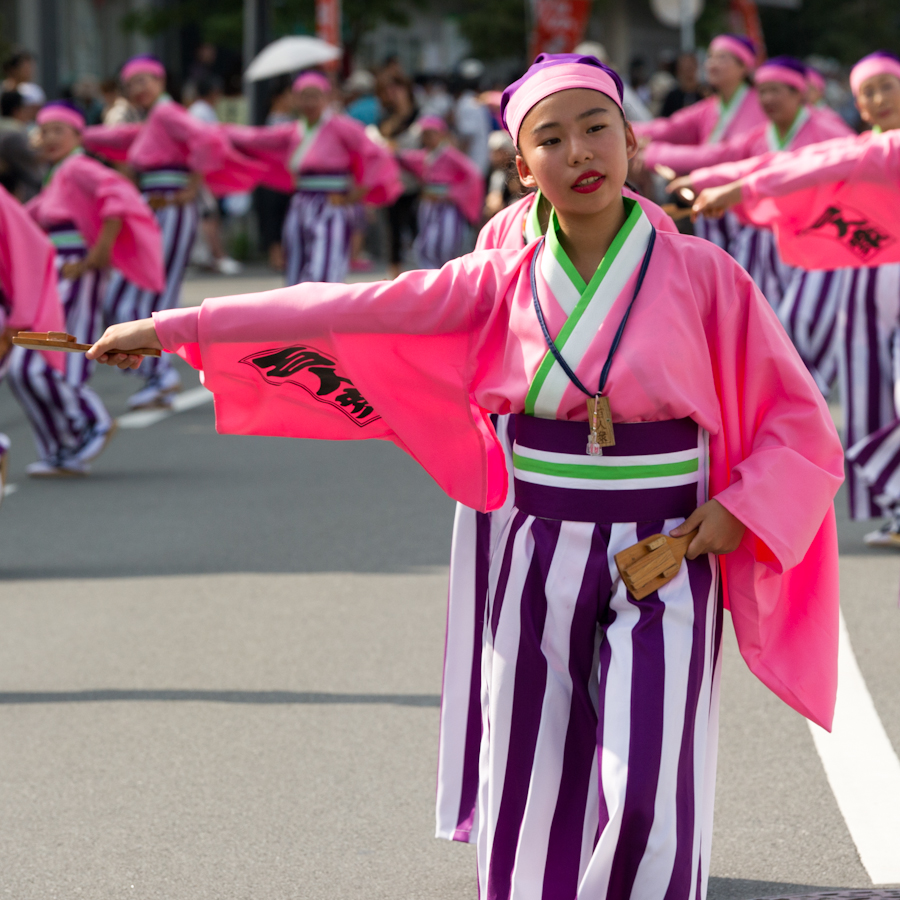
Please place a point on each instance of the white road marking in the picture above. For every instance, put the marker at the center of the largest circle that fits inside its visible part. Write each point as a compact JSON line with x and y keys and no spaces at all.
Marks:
{"x":10,"y":489}
{"x":863,"y":770}
{"x":143,"y":418}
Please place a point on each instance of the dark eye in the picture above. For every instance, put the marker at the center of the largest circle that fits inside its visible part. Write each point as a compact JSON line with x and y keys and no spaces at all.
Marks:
{"x":549,"y":141}
{"x":594,"y":128}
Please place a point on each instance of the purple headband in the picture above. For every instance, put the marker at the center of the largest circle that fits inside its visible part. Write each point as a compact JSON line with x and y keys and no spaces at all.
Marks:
{"x":785,"y":70}
{"x":61,"y":111}
{"x":742,"y":48}
{"x":551,"y":73}
{"x":312,"y":80}
{"x":878,"y":63}
{"x":141,"y":65}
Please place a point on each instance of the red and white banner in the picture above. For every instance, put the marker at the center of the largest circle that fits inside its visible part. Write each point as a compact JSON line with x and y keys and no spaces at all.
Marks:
{"x":558,"y":25}
{"x":328,"y":21}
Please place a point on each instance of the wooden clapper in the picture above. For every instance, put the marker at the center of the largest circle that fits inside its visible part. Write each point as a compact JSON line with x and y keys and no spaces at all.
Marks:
{"x":649,"y":564}
{"x":59,"y":340}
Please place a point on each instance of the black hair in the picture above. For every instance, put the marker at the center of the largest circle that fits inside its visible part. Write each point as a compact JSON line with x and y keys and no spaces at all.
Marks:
{"x":208,"y":86}
{"x":15,"y":60}
{"x":10,"y":102}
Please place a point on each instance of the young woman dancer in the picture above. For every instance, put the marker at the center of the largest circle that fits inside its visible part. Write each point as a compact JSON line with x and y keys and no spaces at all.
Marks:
{"x":95,"y":218}
{"x":597,"y":755}
{"x":169,"y":152}
{"x":731,"y":112}
{"x":861,"y":306}
{"x":452,"y":194}
{"x":28,"y":297}
{"x":781,"y":84}
{"x":330,"y":163}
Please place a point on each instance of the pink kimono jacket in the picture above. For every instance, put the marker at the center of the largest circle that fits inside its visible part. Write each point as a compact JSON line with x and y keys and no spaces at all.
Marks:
{"x":423,"y":360}
{"x":28,"y":275}
{"x":341,"y":145}
{"x":171,"y":138}
{"x":831,"y":205}
{"x":696,"y":124}
{"x":758,"y":140}
{"x":451,"y":169}
{"x":83,"y":191}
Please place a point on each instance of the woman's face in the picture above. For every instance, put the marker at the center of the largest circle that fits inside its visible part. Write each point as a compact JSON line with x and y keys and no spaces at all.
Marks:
{"x":780,"y":102}
{"x":144,"y":89}
{"x":311,"y":103}
{"x":878,"y":101}
{"x":724,"y":70}
{"x":575,"y":146}
{"x":58,"y":141}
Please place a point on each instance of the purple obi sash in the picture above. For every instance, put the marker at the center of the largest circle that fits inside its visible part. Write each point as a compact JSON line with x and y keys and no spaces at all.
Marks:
{"x":656,"y":470}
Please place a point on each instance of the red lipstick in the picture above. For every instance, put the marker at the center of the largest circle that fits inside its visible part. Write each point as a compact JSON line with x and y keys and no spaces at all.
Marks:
{"x":590,"y":186}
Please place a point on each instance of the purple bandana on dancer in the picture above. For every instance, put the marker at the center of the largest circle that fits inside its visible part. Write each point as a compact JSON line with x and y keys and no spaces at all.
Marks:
{"x":143,"y":65}
{"x":878,"y":63}
{"x":785,"y":70}
{"x":740,"y":47}
{"x":551,"y":73}
{"x":62,"y":111}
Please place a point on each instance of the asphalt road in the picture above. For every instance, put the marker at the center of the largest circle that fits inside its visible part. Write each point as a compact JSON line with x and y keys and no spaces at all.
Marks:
{"x":220,"y":664}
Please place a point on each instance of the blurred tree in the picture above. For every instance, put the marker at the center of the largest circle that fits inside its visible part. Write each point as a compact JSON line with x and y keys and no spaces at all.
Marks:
{"x":843,"y":29}
{"x":496,"y":30}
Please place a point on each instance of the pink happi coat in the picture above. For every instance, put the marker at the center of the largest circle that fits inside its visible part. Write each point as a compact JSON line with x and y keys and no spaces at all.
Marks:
{"x":831,"y":205}
{"x":506,"y":229}
{"x":448,"y":166}
{"x":85,"y":192}
{"x":422,"y":361}
{"x":755,"y":142}
{"x":172,"y":138}
{"x":341,"y":145}
{"x":28,"y":275}
{"x":696,"y":123}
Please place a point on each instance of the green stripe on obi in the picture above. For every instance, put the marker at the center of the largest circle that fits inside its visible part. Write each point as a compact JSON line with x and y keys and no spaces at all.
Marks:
{"x":332,"y":184}
{"x":164,"y":179}
{"x":67,"y":240}
{"x":591,"y":471}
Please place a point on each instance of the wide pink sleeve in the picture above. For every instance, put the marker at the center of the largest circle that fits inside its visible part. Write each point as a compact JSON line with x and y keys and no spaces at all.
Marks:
{"x":467,"y":186}
{"x":268,"y":146}
{"x":776,"y":465}
{"x":725,"y":173}
{"x":683,"y":159}
{"x":686,"y":126}
{"x":374,"y":167}
{"x":413,"y":161}
{"x":874,"y":158}
{"x":112,"y":142}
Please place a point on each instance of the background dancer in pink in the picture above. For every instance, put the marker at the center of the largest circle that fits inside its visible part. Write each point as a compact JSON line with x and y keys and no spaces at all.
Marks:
{"x":169,"y":153}
{"x":330,"y":163}
{"x":866,"y":320}
{"x":597,"y":757}
{"x":94,"y":218}
{"x":731,"y":112}
{"x":452,"y":194}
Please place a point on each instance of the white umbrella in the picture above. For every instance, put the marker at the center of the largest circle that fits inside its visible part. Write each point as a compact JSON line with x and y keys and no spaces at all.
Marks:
{"x":288,"y":54}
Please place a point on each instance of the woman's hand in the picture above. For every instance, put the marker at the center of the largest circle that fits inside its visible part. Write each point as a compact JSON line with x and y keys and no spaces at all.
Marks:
{"x":680,"y":184}
{"x":714,"y":202}
{"x":112,"y":347}
{"x":720,"y":532}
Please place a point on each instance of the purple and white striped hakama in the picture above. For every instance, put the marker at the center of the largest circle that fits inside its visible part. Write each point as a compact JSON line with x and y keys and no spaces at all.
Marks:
{"x":868,"y":324}
{"x":810,"y":311}
{"x":125,"y":301}
{"x":316,"y":238}
{"x":442,"y":228}
{"x":63,"y":411}
{"x":756,"y":250}
{"x":599,"y":712}
{"x":723,"y":232}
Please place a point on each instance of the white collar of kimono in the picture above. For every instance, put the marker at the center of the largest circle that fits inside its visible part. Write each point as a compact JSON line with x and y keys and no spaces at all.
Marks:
{"x":727,"y":112}
{"x":307,"y":139}
{"x":775,"y":142}
{"x":533,"y":230}
{"x":586,"y":305}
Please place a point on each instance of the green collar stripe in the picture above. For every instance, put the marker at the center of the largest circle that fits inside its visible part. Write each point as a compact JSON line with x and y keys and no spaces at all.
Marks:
{"x":777,"y":143}
{"x":727,"y":111}
{"x":588,"y":294}
{"x":605,"y":473}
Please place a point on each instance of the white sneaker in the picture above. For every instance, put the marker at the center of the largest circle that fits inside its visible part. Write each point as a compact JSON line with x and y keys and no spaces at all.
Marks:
{"x":96,"y":442}
{"x":53,"y":468}
{"x":157,"y":390}
{"x":228,"y":266}
{"x":886,"y":536}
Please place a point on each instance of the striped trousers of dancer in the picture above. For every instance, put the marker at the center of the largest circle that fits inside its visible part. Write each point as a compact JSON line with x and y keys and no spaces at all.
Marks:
{"x":63,"y":411}
{"x":810,"y":311}
{"x":868,"y":326}
{"x":756,"y":250}
{"x":126,"y":301}
{"x":599,"y":713}
{"x":442,"y":229}
{"x":723,"y":232}
{"x":316,"y":238}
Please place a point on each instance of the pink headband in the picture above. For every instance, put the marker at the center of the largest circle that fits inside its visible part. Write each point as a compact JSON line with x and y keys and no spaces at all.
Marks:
{"x":55,"y":113}
{"x":312,"y":80}
{"x":815,"y":79}
{"x":870,"y":67}
{"x":781,"y":74}
{"x":433,"y":123}
{"x":729,"y":45}
{"x":552,"y":80}
{"x":143,"y":67}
